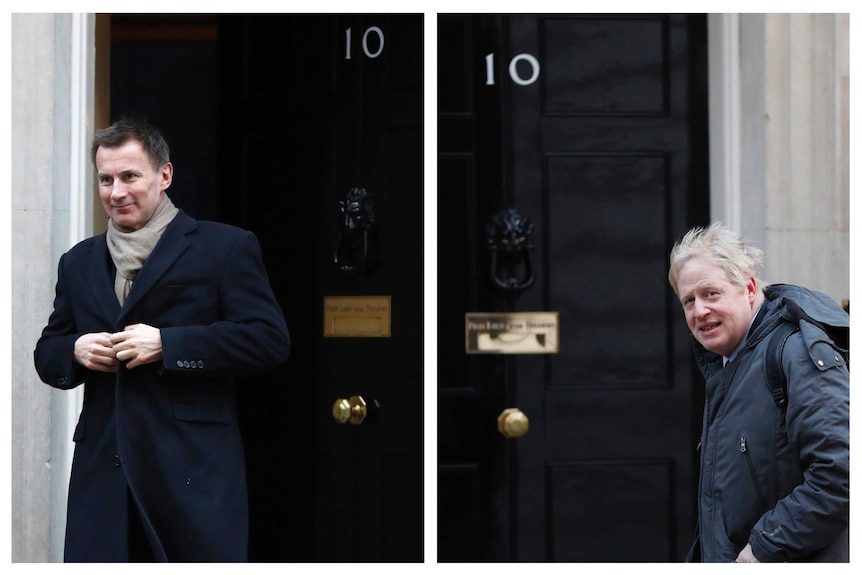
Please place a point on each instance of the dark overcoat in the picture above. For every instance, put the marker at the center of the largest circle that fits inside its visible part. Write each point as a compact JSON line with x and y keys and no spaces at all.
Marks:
{"x":164,"y":436}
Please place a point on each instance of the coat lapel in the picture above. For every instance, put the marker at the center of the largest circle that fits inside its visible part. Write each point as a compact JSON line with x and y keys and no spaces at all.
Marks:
{"x":100,"y":272}
{"x":170,"y":247}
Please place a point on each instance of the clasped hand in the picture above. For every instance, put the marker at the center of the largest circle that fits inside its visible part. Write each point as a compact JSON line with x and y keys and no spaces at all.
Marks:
{"x":137,"y":344}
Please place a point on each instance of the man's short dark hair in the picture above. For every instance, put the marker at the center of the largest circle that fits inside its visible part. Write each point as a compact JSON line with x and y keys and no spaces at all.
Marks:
{"x":127,"y":128}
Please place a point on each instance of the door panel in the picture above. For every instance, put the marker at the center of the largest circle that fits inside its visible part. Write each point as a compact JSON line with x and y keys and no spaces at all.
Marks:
{"x":371,"y":501}
{"x":332,"y":103}
{"x":602,"y":152}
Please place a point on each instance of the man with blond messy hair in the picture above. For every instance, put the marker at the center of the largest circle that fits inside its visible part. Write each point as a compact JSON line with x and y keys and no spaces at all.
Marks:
{"x":774,"y":475}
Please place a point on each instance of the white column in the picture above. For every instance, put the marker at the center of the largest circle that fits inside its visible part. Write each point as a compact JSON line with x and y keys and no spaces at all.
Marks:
{"x":52,"y":79}
{"x":807,"y":170}
{"x":724,"y":119}
{"x":779,"y":141}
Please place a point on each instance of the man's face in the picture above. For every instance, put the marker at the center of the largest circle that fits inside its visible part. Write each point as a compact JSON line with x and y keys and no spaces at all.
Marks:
{"x":717,"y":312}
{"x":130,"y":188}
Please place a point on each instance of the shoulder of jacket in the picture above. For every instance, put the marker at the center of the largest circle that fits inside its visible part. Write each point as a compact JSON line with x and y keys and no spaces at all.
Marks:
{"x":820,"y":347}
{"x":211,"y":227}
{"x":86,"y":245}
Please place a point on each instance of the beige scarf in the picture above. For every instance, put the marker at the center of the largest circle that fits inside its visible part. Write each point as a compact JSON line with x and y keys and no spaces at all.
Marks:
{"x":130,"y":248}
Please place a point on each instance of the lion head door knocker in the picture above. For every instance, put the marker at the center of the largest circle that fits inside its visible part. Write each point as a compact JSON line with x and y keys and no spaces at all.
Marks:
{"x":356,"y":248}
{"x":510,"y":240}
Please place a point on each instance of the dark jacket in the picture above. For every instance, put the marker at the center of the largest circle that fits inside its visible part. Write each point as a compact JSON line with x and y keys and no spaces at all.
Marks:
{"x":777,"y":479}
{"x":164,"y":435}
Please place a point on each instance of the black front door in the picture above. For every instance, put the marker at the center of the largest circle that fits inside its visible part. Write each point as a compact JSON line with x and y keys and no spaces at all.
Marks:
{"x":592,"y":128}
{"x":278,"y":117}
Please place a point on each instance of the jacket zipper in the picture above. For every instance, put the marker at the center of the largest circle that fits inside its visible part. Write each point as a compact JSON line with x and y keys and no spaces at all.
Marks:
{"x":743,"y":449}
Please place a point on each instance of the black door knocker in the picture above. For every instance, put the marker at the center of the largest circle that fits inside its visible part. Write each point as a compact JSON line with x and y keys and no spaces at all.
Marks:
{"x":356,"y":248}
{"x":510,"y":240}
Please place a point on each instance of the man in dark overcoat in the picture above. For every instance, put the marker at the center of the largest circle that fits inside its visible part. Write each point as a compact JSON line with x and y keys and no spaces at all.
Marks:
{"x":155,"y":318}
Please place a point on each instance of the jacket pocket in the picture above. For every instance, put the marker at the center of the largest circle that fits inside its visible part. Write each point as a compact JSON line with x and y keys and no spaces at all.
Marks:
{"x":202,"y":412}
{"x":186,"y":293}
{"x":179,"y":305}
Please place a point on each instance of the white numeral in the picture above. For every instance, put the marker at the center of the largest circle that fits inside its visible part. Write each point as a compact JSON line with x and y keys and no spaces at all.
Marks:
{"x":513,"y":69}
{"x":348,"y":36}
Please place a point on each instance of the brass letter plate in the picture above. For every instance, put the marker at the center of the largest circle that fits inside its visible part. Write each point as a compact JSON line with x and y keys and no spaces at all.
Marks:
{"x":524,"y":332}
{"x":357,"y":316}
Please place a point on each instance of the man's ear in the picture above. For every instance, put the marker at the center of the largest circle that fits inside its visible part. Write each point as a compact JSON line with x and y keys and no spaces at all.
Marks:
{"x":167,"y":176}
{"x":751,"y":289}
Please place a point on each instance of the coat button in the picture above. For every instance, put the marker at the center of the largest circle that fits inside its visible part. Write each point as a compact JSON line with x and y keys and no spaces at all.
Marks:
{"x":186,"y":364}
{"x":116,"y":460}
{"x":179,"y":363}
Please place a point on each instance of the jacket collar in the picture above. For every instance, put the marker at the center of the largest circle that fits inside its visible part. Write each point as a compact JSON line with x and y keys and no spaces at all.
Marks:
{"x":170,"y":247}
{"x":173,"y":243}
{"x":100,"y":270}
{"x":765,"y":320}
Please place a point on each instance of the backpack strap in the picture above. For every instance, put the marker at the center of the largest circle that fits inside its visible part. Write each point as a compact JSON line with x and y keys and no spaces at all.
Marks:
{"x":775,"y":379}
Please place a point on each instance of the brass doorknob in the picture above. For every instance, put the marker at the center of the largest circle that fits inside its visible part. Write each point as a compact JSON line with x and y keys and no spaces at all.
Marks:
{"x":513,"y":423}
{"x":351,"y":410}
